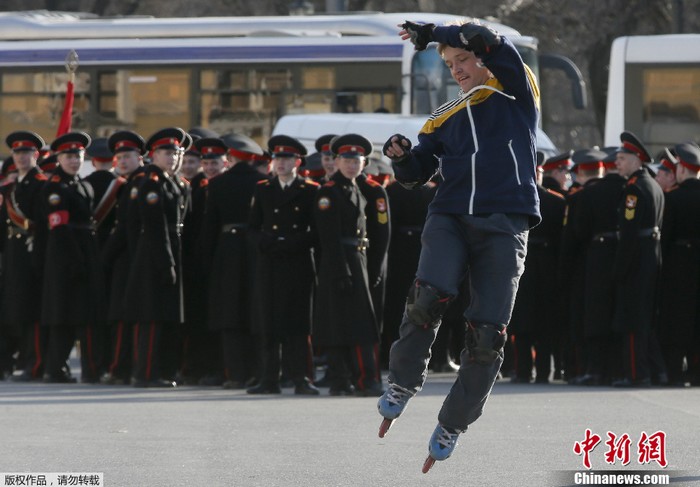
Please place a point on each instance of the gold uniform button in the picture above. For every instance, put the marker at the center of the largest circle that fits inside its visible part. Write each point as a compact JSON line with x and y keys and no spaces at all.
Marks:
{"x":274,"y":227}
{"x":276,"y":210}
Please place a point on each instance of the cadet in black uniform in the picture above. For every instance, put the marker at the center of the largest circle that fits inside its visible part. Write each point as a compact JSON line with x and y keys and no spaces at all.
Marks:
{"x":281,"y":221}
{"x":378,"y":216}
{"x":200,"y":347}
{"x":679,"y":303}
{"x":640,"y":215}
{"x":537,"y":313}
{"x":588,"y":168}
{"x":229,"y":258}
{"x":73,"y":289}
{"x":105,"y":184}
{"x":346,"y":329}
{"x":596,"y":227}
{"x":128,"y":148}
{"x":154,"y":289}
{"x":21,"y":279}
{"x":323,"y":147}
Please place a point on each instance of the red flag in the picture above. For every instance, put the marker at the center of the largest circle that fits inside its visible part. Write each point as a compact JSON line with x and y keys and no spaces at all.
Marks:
{"x":67,"y":116}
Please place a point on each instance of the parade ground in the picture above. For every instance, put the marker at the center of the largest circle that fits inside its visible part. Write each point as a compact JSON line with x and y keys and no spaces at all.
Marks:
{"x":197,"y":436}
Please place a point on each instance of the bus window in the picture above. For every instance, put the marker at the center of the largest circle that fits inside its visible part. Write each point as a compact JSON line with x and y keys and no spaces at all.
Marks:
{"x":244,"y":100}
{"x":428,"y":81}
{"x":669,"y":111}
{"x":144,"y":100}
{"x":34,"y":101}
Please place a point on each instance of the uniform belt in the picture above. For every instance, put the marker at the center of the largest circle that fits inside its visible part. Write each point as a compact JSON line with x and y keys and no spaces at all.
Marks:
{"x":653,"y":232}
{"x":410,"y":230}
{"x":605,"y":236}
{"x":233,"y":227}
{"x":359,"y":243}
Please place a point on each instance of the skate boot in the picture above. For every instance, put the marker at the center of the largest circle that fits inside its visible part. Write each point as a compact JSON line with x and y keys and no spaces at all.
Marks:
{"x":442,"y":444}
{"x":391,"y":405}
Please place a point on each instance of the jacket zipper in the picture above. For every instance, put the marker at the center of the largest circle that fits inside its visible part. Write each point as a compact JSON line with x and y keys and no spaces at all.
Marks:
{"x":476,"y":141}
{"x":515,"y":161}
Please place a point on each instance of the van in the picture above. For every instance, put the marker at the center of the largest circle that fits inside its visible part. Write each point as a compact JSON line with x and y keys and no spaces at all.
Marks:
{"x":377,"y":127}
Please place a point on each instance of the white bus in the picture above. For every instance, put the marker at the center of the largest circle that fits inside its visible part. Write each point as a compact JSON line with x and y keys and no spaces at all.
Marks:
{"x":654,"y":90}
{"x":229,"y":74}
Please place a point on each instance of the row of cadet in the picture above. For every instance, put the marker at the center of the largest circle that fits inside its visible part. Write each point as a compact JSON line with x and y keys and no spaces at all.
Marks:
{"x":611,"y":288}
{"x":180,"y":259}
{"x":214,"y":338}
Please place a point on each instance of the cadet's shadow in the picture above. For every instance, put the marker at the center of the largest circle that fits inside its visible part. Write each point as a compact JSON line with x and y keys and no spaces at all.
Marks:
{"x":52,"y":394}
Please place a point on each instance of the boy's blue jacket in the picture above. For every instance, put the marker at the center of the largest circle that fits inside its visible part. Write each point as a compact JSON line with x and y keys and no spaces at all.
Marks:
{"x":482,"y":143}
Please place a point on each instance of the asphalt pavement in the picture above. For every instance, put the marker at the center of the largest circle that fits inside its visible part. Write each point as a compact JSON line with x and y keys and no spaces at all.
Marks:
{"x":198,"y":436}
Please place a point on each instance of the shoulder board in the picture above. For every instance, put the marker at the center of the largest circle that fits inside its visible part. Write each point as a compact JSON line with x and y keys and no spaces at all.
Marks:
{"x":372,"y":183}
{"x":55,"y":178}
{"x":184,"y":180}
{"x":153,"y":176}
{"x":203,"y":182}
{"x":40,"y":176}
{"x":559,"y":195}
{"x":632,"y":180}
{"x":329,"y":184}
{"x":264,"y":182}
{"x":311,"y":182}
{"x":139,"y":175}
{"x":575,"y":190}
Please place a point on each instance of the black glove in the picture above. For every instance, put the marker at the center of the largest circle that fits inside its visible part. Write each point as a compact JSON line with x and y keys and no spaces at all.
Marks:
{"x":421,"y":34}
{"x":344,"y":284}
{"x":478,"y":38}
{"x":403,"y":142}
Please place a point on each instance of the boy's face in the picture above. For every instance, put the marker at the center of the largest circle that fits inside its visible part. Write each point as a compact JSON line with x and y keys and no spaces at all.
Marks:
{"x":465,"y":68}
{"x":350,"y":167}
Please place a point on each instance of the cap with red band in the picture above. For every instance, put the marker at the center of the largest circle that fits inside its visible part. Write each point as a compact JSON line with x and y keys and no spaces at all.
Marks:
{"x":688,"y":155}
{"x":71,"y":142}
{"x":351,"y":145}
{"x":285,"y":146}
{"x":210,"y":147}
{"x":168,"y":138}
{"x":126,"y":140}
{"x":632,"y":145}
{"x":22,"y":140}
